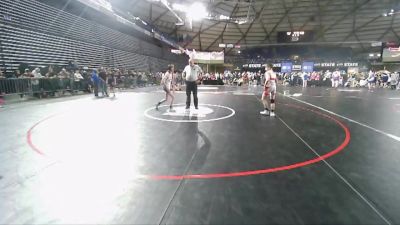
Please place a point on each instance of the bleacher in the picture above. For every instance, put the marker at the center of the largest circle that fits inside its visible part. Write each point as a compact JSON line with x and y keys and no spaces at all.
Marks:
{"x":34,"y":33}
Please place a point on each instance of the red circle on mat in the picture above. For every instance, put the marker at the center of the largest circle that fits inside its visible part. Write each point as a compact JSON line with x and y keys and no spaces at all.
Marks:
{"x":240,"y":173}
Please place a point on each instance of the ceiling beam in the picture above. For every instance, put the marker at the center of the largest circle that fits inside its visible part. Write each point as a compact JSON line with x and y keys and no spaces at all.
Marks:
{"x":223,"y":31}
{"x":320,"y":18}
{"x":395,"y":34}
{"x":213,"y":6}
{"x":248,"y":29}
{"x":354,"y":26}
{"x":241,"y":32}
{"x":288,"y":17}
{"x":317,"y":14}
{"x":388,"y":29}
{"x":267,"y":36}
{"x":134,"y":3}
{"x":359,"y":42}
{"x":201,"y":26}
{"x":202,"y":30}
{"x":360,"y":27}
{"x":261,"y":21}
{"x":151,"y":12}
{"x":351,"y":11}
{"x":161,"y":15}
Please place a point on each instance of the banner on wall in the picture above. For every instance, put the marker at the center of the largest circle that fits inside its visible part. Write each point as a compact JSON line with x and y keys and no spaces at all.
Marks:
{"x":286,"y":67}
{"x":308,"y":67}
{"x":208,"y":57}
{"x":391,"y":55}
{"x":296,"y":67}
{"x":336,"y":64}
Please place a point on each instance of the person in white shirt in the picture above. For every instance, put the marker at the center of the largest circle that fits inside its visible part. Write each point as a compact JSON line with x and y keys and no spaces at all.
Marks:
{"x":335,"y":79}
{"x":36,"y":74}
{"x":305,"y":79}
{"x":371,"y":80}
{"x":77,"y":80}
{"x":168,"y":82}
{"x":35,"y":81}
{"x":269,"y":93}
{"x":77,"y":76}
{"x":191,"y":74}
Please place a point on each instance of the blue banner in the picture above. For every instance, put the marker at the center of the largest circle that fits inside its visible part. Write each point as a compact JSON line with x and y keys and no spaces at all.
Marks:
{"x":286,"y":67}
{"x":308,"y":67}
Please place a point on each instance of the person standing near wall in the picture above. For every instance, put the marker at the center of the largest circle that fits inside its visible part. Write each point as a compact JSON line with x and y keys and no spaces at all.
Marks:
{"x":95,"y":80}
{"x":305,"y":79}
{"x":371,"y":80}
{"x":191,"y":75}
{"x":103,"y":81}
{"x":394,"y":79}
{"x":335,"y":78}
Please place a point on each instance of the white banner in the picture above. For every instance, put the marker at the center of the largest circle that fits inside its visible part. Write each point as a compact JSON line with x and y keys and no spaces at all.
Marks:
{"x":217,"y":56}
{"x":208,"y":57}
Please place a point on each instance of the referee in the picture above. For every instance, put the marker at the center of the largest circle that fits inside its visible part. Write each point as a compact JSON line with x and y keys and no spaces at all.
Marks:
{"x":191,"y":75}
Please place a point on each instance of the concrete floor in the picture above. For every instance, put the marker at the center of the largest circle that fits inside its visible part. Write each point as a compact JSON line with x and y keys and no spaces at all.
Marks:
{"x":329,"y":157}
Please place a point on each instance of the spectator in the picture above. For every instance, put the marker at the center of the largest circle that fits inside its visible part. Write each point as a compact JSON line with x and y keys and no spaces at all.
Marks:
{"x":86,"y":80}
{"x":385,"y":79}
{"x":371,"y":79}
{"x":96,"y":81}
{"x":27,"y":73}
{"x":305,"y":79}
{"x":1,"y":94}
{"x":36,"y":73}
{"x":17,"y":74}
{"x":394,"y":79}
{"x":77,"y":80}
{"x":102,"y":81}
{"x":50,"y":72}
{"x":63,"y":74}
{"x":335,"y":78}
{"x":35,"y":82}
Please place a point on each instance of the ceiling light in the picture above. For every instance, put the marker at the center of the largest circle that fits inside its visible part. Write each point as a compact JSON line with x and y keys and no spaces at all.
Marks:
{"x":197,"y":11}
{"x":240,"y":22}
{"x":223,"y":17}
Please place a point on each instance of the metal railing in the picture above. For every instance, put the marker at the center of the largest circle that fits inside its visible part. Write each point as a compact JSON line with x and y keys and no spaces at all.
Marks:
{"x":49,"y":86}
{"x":33,"y":86}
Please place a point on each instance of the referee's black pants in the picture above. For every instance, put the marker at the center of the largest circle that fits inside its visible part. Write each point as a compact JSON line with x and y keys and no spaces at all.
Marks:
{"x":191,"y":86}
